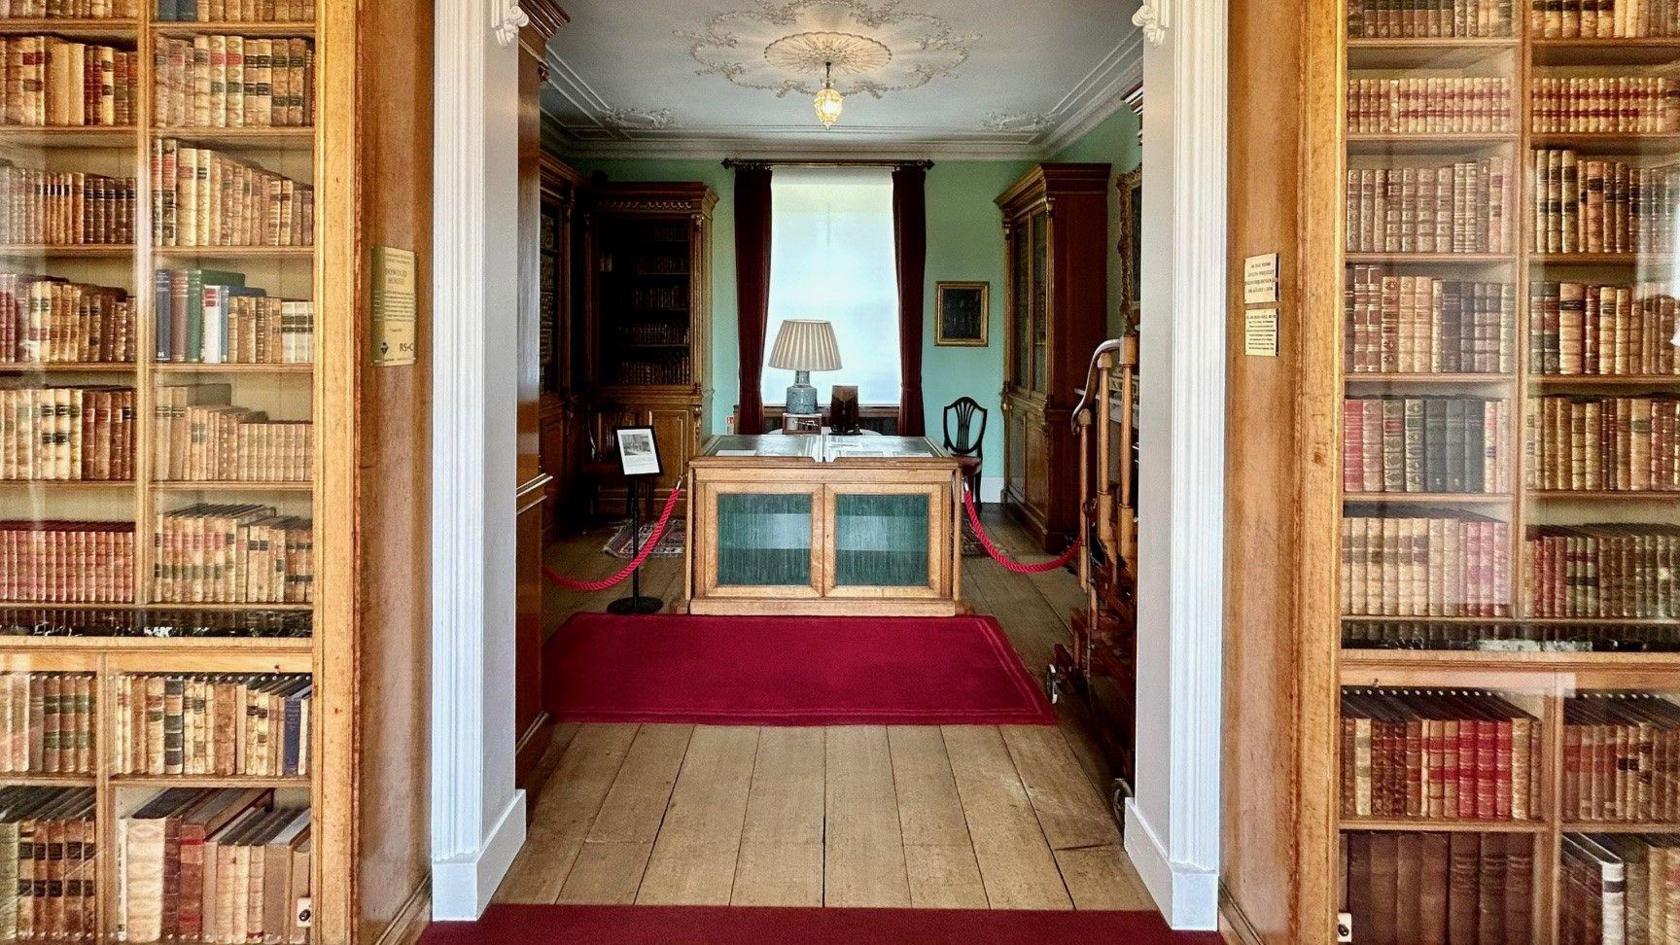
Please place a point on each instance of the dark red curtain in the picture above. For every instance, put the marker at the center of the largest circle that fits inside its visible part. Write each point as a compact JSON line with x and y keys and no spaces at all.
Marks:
{"x":910,"y":247}
{"x":752,"y":287}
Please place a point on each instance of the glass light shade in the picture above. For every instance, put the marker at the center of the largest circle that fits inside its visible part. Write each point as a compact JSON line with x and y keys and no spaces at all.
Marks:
{"x":828,"y":104}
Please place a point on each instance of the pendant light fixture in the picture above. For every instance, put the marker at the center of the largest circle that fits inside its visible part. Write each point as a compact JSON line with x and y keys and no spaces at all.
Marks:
{"x":828,"y":102}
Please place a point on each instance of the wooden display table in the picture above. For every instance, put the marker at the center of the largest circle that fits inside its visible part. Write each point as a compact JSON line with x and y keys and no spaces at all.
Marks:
{"x":823,"y":525}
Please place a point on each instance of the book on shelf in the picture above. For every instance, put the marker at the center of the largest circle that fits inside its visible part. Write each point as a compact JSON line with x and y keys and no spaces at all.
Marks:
{"x":1510,"y":637}
{"x":1436,"y":105}
{"x":48,"y":846}
{"x":1438,"y":755}
{"x":1453,"y":208}
{"x":1430,"y":563}
{"x":1379,"y":19}
{"x":651,"y":369}
{"x":67,"y":434}
{"x":1426,"y":444}
{"x":202,"y":197}
{"x":1603,"y":19}
{"x":50,"y":81}
{"x":226,"y":725}
{"x":221,"y":81}
{"x":200,"y":436}
{"x":1598,"y":205}
{"x":1427,"y":325}
{"x":153,"y":623}
{"x":1583,"y":328}
{"x":69,"y":9}
{"x":232,"y":553}
{"x":1613,"y":569}
{"x":65,"y":208}
{"x":46,"y":723}
{"x":235,"y":11}
{"x":1402,"y":888}
{"x":213,"y":866}
{"x":56,"y":561}
{"x":1619,"y":888}
{"x":47,"y":320}
{"x":1618,"y":104}
{"x":1604,"y":444}
{"x":212,"y":317}
{"x":1621,"y":759}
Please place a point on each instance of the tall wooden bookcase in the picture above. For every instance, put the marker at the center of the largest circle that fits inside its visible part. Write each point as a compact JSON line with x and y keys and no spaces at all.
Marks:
{"x":648,"y":324}
{"x":367,"y":158}
{"x":1298,"y":637}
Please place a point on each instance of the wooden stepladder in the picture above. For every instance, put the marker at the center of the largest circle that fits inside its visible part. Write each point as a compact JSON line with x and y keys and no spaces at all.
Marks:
{"x":1100,"y":669}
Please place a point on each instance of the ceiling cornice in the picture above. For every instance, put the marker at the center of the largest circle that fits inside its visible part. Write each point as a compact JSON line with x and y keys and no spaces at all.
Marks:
{"x":1096,"y":96}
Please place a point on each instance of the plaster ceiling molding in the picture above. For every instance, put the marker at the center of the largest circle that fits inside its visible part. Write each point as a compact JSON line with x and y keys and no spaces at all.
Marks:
{"x":1022,"y":122}
{"x":637,"y":119}
{"x":784,"y":47}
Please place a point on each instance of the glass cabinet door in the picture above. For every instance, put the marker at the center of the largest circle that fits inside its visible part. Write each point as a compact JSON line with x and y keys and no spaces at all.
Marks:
{"x":1041,"y":300}
{"x":763,"y":540}
{"x":1020,"y":308}
{"x":883,"y":536}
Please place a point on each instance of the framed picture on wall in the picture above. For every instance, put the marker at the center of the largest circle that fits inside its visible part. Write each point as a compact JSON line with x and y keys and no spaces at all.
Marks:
{"x":1131,"y":247}
{"x":962,"y":310}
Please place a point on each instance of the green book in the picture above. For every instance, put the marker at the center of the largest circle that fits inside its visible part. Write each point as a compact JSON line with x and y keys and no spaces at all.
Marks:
{"x":197,"y":279}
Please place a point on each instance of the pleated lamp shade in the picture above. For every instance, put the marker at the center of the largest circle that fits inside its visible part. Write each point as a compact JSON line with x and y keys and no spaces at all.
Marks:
{"x":805,"y":345}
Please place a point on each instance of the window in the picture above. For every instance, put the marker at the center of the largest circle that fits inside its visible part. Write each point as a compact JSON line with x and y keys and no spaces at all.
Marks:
{"x":831,"y":258}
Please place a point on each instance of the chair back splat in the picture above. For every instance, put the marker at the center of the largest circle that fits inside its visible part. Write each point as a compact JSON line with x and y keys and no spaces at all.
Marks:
{"x":963,"y":440}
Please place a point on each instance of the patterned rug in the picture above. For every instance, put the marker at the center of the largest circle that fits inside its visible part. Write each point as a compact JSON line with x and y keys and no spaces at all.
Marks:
{"x":669,"y":547}
{"x":672,"y":545}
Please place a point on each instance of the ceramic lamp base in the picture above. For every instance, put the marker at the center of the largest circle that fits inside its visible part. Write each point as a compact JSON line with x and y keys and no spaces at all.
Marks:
{"x":801,"y":396}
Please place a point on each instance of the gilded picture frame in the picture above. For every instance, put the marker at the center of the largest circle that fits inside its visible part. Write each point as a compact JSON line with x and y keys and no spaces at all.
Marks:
{"x":963,"y":313}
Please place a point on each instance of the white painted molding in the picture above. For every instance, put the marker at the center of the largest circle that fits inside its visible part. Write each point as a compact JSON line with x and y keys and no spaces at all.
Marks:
{"x":457,"y":431}
{"x":462,"y":887}
{"x":506,"y":20}
{"x":1181,"y":484}
{"x":475,"y":155}
{"x":1181,"y":891}
{"x":1155,"y":16}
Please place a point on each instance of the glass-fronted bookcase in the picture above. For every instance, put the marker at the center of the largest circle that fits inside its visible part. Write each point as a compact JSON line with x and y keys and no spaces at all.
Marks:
{"x":158,"y":279}
{"x":1509,"y":739}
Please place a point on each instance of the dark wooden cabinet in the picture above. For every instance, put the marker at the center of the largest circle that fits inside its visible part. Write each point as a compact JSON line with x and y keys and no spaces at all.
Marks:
{"x":1055,"y":224}
{"x":563,"y":444}
{"x":647,"y":327}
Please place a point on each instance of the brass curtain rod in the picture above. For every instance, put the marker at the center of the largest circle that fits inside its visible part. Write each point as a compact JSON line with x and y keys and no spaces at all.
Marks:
{"x":733,"y":163}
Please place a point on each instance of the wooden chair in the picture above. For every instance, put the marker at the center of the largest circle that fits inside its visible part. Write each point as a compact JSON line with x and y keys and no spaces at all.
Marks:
{"x":968,"y":446}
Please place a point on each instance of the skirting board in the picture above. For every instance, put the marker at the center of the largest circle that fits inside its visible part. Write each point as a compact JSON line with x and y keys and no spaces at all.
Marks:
{"x":411,"y":919}
{"x":461,"y":888}
{"x":1187,"y":897}
{"x":1234,"y":926}
{"x":991,"y":489}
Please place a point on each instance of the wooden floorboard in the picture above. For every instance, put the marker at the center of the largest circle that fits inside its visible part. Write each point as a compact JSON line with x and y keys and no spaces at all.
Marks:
{"x":959,"y":817}
{"x":615,"y":851}
{"x":693,"y":861}
{"x":864,"y":849}
{"x":565,"y":812}
{"x":781,"y":857}
{"x":1016,"y":865}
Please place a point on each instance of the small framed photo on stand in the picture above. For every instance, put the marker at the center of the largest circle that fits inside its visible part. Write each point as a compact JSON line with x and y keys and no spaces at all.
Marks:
{"x":638,"y":452}
{"x":638,"y":459}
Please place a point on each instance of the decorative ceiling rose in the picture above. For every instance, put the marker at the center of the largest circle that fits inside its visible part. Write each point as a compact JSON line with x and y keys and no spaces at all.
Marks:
{"x":637,"y":119}
{"x":782,"y":47}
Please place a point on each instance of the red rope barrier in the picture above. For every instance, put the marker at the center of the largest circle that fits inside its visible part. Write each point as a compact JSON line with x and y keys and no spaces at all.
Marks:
{"x":1010,"y":564}
{"x":629,"y":569}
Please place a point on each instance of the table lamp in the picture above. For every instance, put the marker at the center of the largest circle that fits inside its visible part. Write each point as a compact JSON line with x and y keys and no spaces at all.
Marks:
{"x":804,"y":345}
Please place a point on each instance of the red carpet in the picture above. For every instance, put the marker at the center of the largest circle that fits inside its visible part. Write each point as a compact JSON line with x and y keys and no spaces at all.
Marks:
{"x":788,"y":671}
{"x":721,"y":925}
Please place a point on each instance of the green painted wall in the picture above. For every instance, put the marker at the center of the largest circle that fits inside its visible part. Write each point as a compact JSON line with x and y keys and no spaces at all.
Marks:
{"x":965,"y":244}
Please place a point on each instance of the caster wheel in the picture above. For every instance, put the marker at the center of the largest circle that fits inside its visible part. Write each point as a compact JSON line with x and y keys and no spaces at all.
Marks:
{"x":1118,"y":792}
{"x":1053,"y":683}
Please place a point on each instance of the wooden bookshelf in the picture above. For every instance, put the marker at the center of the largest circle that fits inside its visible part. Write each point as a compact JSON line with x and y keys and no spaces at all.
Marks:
{"x":1284,"y":882}
{"x":333,"y":158}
